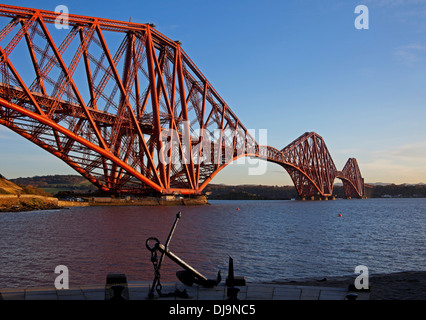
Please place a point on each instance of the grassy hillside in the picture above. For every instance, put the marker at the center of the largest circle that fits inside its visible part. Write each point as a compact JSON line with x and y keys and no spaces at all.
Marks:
{"x":8,"y":187}
{"x":58,"y":183}
{"x":14,"y":198}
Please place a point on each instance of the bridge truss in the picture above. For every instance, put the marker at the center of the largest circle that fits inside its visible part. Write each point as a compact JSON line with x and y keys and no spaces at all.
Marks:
{"x":125,"y":107}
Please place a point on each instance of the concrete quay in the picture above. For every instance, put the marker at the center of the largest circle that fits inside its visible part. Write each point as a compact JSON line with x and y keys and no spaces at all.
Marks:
{"x":138,"y":290}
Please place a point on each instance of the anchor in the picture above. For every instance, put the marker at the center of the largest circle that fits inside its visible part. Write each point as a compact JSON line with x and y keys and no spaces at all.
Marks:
{"x":188,"y":276}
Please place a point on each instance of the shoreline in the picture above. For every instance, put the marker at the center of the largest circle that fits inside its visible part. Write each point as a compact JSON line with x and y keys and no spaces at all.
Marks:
{"x":25,"y":203}
{"x":404,"y":285}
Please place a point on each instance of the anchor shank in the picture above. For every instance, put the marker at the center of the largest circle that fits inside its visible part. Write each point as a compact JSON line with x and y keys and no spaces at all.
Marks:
{"x":169,"y":238}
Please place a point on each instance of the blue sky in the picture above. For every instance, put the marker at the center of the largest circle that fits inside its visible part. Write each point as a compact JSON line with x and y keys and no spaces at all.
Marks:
{"x":290,"y":67}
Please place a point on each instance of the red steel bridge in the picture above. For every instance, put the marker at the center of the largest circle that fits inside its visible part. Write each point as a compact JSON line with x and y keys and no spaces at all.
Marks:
{"x":124,"y":106}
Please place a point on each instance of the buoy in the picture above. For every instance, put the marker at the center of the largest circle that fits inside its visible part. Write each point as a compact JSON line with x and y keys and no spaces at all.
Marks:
{"x":238,"y":209}
{"x":340,"y":215}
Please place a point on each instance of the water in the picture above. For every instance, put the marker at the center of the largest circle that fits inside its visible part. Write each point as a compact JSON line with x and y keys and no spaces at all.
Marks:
{"x":269,"y":240}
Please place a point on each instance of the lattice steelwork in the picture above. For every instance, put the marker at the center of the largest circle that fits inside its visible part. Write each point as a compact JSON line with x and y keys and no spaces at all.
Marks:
{"x":126,"y":107}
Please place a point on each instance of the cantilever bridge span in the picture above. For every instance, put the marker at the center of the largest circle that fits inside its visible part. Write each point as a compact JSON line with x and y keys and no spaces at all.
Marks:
{"x":124,"y":106}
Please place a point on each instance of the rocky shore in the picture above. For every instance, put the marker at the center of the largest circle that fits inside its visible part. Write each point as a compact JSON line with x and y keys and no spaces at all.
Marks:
{"x":15,"y":203}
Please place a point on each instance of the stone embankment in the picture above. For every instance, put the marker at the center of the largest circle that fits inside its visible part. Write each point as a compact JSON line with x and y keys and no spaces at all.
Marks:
{"x":147,"y":201}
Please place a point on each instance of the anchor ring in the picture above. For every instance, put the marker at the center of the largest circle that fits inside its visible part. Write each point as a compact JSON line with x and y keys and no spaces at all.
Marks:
{"x":157,"y":242}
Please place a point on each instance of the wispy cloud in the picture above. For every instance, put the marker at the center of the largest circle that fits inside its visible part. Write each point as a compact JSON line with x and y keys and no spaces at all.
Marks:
{"x":405,"y":163}
{"x":394,"y":3}
{"x":410,"y":12}
{"x":411,"y":152}
{"x":410,"y":54}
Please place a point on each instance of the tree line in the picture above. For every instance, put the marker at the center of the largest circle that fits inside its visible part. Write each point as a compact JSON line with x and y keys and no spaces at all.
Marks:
{"x":262,"y":192}
{"x":78,"y":183}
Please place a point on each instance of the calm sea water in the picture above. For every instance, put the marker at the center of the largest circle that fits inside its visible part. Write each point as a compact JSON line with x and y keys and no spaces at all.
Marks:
{"x":268,"y":240}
